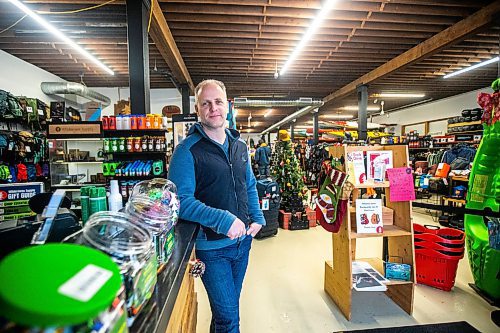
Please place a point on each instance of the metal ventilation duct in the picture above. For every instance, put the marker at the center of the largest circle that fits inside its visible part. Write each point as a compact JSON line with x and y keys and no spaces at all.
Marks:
{"x":301,"y":112}
{"x":78,"y":89}
{"x":243,"y":102}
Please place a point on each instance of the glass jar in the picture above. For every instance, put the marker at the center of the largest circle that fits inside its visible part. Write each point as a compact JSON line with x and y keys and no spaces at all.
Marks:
{"x":154,"y":204}
{"x":82,"y":291}
{"x":130,"y":246}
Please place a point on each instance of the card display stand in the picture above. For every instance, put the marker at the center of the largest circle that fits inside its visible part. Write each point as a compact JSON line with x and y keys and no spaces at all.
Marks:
{"x":398,"y":237}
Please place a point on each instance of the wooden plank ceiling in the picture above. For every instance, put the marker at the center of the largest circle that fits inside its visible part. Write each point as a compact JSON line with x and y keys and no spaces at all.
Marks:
{"x":242,"y":41}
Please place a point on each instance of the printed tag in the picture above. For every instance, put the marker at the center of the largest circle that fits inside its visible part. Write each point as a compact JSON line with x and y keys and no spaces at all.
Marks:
{"x":265,"y":204}
{"x":28,"y":149}
{"x":51,"y":144}
{"x":86,"y":283}
{"x":445,"y":181}
{"x":29,"y":109}
{"x":40,"y":112}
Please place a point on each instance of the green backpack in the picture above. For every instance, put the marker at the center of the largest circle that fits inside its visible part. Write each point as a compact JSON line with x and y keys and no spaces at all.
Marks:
{"x":9,"y":106}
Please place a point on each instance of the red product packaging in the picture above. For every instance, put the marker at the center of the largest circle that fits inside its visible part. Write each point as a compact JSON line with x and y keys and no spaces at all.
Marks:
{"x":112,"y":123}
{"x":105,"y":123}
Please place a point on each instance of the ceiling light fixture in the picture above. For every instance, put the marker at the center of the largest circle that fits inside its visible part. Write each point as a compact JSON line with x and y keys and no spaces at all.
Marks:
{"x":318,"y":20}
{"x":382,"y":105}
{"x":268,"y":113}
{"x":337,"y":116}
{"x":355,"y":108}
{"x":276,"y":74}
{"x":398,"y":95}
{"x":60,"y":35}
{"x":481,"y":64}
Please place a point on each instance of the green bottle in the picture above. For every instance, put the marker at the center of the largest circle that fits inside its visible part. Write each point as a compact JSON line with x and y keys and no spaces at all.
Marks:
{"x":85,"y":202}
{"x":94,"y":200}
{"x":103,"y":202}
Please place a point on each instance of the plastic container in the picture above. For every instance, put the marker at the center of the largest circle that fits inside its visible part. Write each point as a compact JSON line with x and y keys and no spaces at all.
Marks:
{"x":112,"y":123}
{"x":436,"y":269}
{"x":154,"y":204}
{"x":61,"y":288}
{"x":126,"y":122}
{"x":105,"y":123}
{"x":149,"y":121}
{"x":133,"y":122}
{"x":115,"y":200}
{"x":130,"y":246}
{"x":119,"y":123}
{"x":85,"y":202}
{"x":141,"y":122}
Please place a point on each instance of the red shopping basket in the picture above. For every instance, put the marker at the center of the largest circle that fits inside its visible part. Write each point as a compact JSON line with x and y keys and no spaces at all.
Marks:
{"x":442,"y":247}
{"x":435,"y":269}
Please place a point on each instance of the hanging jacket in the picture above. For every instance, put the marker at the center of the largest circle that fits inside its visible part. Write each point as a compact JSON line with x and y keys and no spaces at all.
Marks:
{"x":263,"y":155}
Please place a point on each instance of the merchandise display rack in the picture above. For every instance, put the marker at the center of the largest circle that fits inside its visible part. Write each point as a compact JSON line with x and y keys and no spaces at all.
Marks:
{"x":398,"y":238}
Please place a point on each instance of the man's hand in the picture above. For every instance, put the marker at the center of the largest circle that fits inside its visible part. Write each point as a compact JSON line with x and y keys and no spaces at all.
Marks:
{"x":254,"y":229}
{"x":237,"y":229}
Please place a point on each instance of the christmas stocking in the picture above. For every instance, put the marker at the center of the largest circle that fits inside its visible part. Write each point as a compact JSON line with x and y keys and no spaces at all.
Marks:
{"x":328,"y":198}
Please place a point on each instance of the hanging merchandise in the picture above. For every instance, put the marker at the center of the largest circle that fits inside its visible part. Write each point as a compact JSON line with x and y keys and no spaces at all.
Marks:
{"x":315,"y":156}
{"x":130,"y":246}
{"x":332,"y":200}
{"x":288,"y":174}
{"x":154,"y":205}
{"x":40,"y":293}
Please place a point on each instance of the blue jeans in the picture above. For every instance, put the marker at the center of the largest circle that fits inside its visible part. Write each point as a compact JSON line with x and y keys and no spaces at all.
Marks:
{"x":225,"y":269}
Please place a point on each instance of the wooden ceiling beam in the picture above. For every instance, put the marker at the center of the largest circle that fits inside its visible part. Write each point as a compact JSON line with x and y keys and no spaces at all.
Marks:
{"x":453,"y":34}
{"x":164,"y":41}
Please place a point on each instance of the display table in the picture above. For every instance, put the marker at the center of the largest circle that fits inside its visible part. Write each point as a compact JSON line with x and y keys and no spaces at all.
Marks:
{"x":173,"y":306}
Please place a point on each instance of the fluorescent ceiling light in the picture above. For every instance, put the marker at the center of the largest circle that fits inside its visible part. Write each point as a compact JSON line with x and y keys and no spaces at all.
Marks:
{"x":60,"y":35}
{"x":355,"y":108}
{"x":268,"y":113}
{"x":337,"y":116}
{"x":318,"y":20}
{"x":302,"y":127}
{"x":398,"y":95}
{"x":481,"y":64}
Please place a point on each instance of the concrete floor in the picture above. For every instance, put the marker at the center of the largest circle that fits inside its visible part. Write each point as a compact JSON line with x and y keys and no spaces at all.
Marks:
{"x":283,"y":291}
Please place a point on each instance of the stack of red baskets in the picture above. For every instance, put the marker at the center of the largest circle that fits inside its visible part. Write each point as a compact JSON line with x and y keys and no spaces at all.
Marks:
{"x":437,"y":253}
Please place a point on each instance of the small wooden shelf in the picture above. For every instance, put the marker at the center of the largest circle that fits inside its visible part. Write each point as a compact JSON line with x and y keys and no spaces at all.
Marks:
{"x":389,"y":231}
{"x":373,"y":184}
{"x":378,"y":264}
{"x":465,"y":132}
{"x":477,"y":122}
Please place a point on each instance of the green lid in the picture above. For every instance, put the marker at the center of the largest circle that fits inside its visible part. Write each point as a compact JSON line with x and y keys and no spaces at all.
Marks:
{"x":101,"y":192}
{"x":85,"y":191}
{"x":56,"y":285}
{"x":94,"y":192}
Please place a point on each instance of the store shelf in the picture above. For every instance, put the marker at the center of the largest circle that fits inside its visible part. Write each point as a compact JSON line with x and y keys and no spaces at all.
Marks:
{"x":372,"y":184}
{"x":78,"y":162}
{"x":389,"y":231}
{"x":465,"y":132}
{"x":378,"y":264}
{"x":460,"y":201}
{"x":136,"y":152}
{"x":136,"y":177}
{"x":460,"y":178}
{"x":74,"y":186}
{"x":477,"y":122}
{"x":127,"y":133}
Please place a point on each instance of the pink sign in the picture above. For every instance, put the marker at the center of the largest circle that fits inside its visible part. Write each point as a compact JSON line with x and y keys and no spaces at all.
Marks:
{"x":401,"y":184}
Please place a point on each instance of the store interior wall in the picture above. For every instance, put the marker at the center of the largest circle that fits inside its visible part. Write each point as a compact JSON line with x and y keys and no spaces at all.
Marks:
{"x":21,"y":78}
{"x":443,"y":108}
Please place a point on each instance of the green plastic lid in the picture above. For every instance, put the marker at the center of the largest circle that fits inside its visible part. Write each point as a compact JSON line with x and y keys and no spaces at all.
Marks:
{"x":85,"y":191}
{"x":94,"y":192}
{"x":56,"y":285}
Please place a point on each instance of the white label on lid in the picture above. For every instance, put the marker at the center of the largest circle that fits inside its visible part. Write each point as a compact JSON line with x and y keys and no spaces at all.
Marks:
{"x":29,"y":109}
{"x":86,"y":283}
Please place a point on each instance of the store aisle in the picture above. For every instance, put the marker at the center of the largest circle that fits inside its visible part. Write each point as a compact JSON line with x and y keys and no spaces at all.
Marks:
{"x":283,"y":292}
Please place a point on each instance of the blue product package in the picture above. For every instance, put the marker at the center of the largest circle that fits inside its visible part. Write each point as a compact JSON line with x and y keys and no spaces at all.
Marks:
{"x":397,"y":271}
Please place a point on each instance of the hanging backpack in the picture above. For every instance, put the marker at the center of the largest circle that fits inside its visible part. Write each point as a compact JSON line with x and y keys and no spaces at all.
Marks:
{"x":5,"y":173}
{"x":10,"y":109}
{"x":22,"y":173}
{"x":30,"y":115}
{"x":31,"y":172}
{"x":13,"y":173}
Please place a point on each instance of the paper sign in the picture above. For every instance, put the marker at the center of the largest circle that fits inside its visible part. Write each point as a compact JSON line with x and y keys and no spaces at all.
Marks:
{"x":377,"y":163}
{"x":369,"y":216}
{"x":356,"y":167}
{"x":401,"y":184}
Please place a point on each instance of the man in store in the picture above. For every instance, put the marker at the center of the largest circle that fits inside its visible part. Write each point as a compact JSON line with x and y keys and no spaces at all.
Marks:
{"x":263,"y":158}
{"x":216,"y":187}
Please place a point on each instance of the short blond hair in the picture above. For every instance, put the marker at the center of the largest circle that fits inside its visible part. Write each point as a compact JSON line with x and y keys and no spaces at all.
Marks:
{"x":204,"y":83}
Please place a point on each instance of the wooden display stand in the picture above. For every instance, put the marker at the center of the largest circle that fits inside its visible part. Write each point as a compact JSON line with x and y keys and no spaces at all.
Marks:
{"x":338,"y":273}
